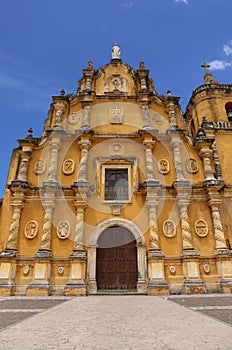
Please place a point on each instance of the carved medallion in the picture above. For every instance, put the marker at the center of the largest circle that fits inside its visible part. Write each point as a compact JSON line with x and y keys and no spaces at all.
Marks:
{"x":116,"y":149}
{"x":39,"y":166}
{"x":169,"y":228}
{"x":63,"y":230}
{"x":26,"y":269}
{"x":191,"y":165}
{"x":68,"y":166}
{"x":158,"y":119}
{"x":206,"y":268}
{"x":163,"y":166}
{"x":116,"y":115}
{"x":31,"y":229}
{"x":201,"y":228}
{"x":60,"y":270}
{"x":73,"y":118}
{"x":172,"y":269}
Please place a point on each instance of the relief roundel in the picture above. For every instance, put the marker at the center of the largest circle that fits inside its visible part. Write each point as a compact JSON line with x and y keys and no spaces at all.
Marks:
{"x":31,"y":229}
{"x":163,"y":166}
{"x":39,"y":166}
{"x":201,"y":228}
{"x":169,"y":228}
{"x":68,"y":166}
{"x":63,"y":230}
{"x":191,"y":165}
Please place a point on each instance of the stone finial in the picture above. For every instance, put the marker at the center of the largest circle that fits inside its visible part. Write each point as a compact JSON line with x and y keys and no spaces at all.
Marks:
{"x":141,"y":65}
{"x":90,"y":65}
{"x":116,"y":52}
{"x":29,"y":135}
{"x":208,"y":77}
{"x":169,"y":93}
{"x":62,"y":92}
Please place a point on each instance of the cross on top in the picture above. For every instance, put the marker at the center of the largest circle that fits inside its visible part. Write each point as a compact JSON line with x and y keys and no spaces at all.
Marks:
{"x":205,"y":66}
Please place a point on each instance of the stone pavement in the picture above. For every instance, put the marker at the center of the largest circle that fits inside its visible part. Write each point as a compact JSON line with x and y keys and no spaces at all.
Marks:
{"x":115,"y":322}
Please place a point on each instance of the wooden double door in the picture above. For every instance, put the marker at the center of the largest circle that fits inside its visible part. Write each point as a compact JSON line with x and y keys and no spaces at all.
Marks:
{"x":116,"y":267}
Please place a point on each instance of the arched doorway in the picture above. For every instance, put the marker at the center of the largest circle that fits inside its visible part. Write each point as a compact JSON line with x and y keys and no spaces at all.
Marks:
{"x":116,"y":267}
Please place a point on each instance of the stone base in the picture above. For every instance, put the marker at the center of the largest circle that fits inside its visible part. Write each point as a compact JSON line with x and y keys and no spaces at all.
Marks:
{"x":142,"y":287}
{"x":38,"y":289}
{"x":226,"y":286}
{"x":75,"y":289}
{"x":194,"y":287}
{"x":7,"y":289}
{"x":92,"y":287}
{"x":158,"y":288}
{"x":79,"y":253}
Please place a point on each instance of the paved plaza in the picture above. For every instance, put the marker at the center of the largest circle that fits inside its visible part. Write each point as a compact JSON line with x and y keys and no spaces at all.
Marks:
{"x":116,"y":322}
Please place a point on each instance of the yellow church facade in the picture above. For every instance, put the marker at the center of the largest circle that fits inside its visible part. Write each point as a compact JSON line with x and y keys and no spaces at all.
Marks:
{"x":122,"y":193}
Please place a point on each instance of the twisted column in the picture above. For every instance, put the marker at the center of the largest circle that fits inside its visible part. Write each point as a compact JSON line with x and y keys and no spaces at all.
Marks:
{"x":79,"y":229}
{"x":153,"y":227}
{"x":86,"y":118}
{"x":185,"y":227}
{"x":146,"y":117}
{"x":149,"y":166}
{"x":82,"y":171}
{"x":55,"y":145}
{"x":220,"y":242}
{"x":176,"y":147}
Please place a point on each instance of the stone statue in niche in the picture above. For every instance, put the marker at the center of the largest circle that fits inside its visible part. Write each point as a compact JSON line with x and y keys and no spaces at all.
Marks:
{"x":163,"y":166}
{"x":116,"y":115}
{"x":201,"y":228}
{"x":39,"y":166}
{"x":191,"y":165}
{"x":31,"y":229}
{"x":68,"y":166}
{"x":116,"y":83}
{"x":63,"y":230}
{"x":169,"y":229}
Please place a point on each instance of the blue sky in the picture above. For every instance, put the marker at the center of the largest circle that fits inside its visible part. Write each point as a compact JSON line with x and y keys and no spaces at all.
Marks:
{"x":44,"y":45}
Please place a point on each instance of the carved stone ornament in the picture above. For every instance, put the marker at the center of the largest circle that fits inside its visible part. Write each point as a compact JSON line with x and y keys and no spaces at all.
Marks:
{"x":169,"y":228}
{"x":201,"y":228}
{"x":116,"y":115}
{"x":163,"y":166}
{"x":172,"y":269}
{"x":206,"y":268}
{"x":191,"y":165}
{"x":73,"y":118}
{"x":26,"y":269}
{"x":31,"y":229}
{"x":60,"y":270}
{"x":39,"y":166}
{"x":116,"y":149}
{"x":68,"y":166}
{"x":63,"y":230}
{"x":158,"y":118}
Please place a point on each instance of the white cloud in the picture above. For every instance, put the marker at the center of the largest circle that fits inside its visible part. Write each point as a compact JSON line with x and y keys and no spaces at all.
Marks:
{"x":228,"y":49}
{"x":184,"y":1}
{"x":219,"y":64}
{"x":128,"y":4}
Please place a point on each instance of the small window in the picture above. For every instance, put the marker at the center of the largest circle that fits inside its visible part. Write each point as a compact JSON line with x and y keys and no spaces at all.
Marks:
{"x":116,"y":184}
